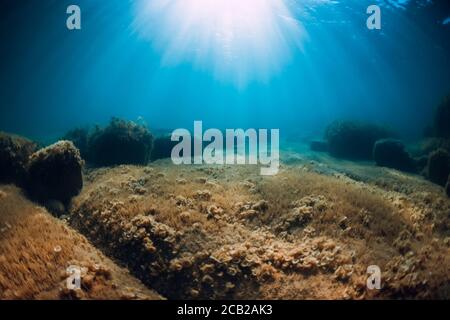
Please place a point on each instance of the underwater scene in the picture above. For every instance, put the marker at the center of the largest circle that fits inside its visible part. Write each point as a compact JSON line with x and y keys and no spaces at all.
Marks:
{"x":224,"y":149}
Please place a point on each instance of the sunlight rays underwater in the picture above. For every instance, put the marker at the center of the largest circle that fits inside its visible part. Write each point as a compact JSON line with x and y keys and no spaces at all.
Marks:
{"x":302,"y":55}
{"x":237,"y":41}
{"x":290,"y":64}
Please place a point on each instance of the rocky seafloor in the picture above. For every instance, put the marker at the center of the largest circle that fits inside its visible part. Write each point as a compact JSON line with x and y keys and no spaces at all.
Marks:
{"x":207,"y":232}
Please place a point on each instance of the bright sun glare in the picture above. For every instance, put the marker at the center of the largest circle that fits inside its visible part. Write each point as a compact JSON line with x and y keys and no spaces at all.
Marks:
{"x":236,"y":40}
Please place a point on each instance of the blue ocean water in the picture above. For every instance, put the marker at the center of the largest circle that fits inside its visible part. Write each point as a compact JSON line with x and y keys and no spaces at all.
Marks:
{"x":295,"y":65}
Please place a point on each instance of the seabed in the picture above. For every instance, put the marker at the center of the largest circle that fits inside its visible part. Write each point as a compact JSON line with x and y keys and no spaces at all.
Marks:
{"x":163,"y":231}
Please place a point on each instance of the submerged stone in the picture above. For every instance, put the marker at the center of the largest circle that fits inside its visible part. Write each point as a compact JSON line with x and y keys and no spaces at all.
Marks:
{"x":121,"y":142}
{"x":55,"y":172}
{"x":14,"y":153}
{"x":354,"y":140}
{"x":391,"y":153}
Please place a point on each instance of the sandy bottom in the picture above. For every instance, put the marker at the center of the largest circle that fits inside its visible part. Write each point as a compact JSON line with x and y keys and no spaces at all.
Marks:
{"x":207,"y":232}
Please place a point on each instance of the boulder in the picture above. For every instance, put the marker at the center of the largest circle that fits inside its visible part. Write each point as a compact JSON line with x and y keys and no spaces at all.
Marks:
{"x":354,"y":140}
{"x":438,"y":167}
{"x":14,"y":154}
{"x":54,"y":173}
{"x":121,"y":142}
{"x":391,"y":153}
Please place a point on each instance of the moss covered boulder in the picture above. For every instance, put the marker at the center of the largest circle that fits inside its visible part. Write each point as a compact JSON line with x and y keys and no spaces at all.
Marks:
{"x":391,"y":153}
{"x":354,"y":140}
{"x":121,"y":142}
{"x":80,"y":138}
{"x":14,"y":154}
{"x":54,"y":173}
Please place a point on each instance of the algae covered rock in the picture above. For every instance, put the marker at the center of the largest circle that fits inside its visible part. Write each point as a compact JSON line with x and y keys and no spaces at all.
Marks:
{"x":80,"y":138}
{"x":121,"y":142}
{"x":354,"y":140}
{"x":438,"y":167}
{"x":14,"y":154}
{"x":391,"y":153}
{"x":54,"y":173}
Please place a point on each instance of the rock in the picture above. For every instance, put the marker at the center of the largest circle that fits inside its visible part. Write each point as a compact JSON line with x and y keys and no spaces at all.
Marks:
{"x":354,"y":140}
{"x":438,"y":167}
{"x":318,"y":145}
{"x":121,"y":142}
{"x":391,"y":153}
{"x":54,"y":173}
{"x":14,"y":154}
{"x":162,"y":148}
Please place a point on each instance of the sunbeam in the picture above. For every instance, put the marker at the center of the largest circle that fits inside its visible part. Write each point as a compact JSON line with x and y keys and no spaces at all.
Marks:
{"x":239,"y":41}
